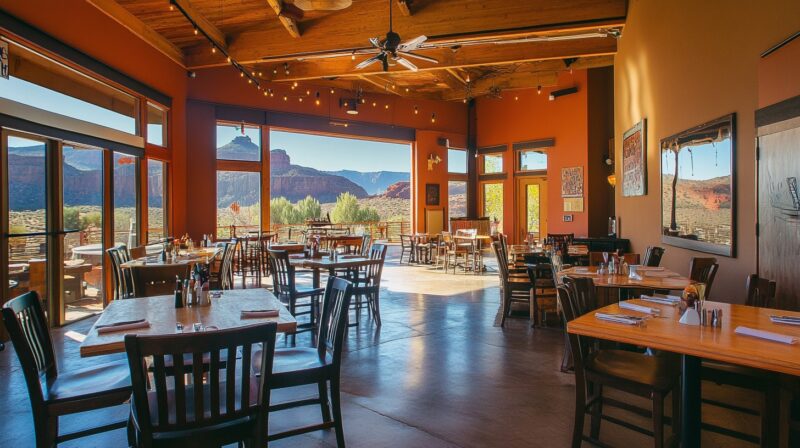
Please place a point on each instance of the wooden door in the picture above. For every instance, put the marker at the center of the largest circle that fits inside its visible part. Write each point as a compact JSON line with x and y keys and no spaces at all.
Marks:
{"x":531,"y":210}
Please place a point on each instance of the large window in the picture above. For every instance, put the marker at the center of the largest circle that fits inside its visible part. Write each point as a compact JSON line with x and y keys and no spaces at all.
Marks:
{"x":533,"y":160}
{"x":457,"y":198}
{"x":43,"y":83}
{"x":456,"y":161}
{"x":156,"y":201}
{"x":238,"y":202}
{"x":125,"y":194}
{"x":156,"y":125}
{"x":238,"y":142}
{"x":493,"y":203}
{"x":492,"y":163}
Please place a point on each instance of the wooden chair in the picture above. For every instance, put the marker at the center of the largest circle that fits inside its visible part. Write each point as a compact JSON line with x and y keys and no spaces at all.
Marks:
{"x":319,"y":365}
{"x":248,"y":259}
{"x":559,"y":241}
{"x":368,"y":283}
{"x":222,"y":277}
{"x":512,"y":289}
{"x":652,"y":257}
{"x":541,"y":278}
{"x":53,"y":394}
{"x":760,"y":293}
{"x":122,"y":281}
{"x":285,"y":287}
{"x":366,"y":241}
{"x":406,"y":247}
{"x":704,"y":270}
{"x":157,"y":280}
{"x":651,"y":377}
{"x":232,"y":405}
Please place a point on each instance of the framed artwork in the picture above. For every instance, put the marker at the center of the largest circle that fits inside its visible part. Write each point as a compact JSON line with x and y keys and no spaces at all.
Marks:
{"x":634,"y":160}
{"x":431,"y":194}
{"x":572,"y":182}
{"x":698,"y":188}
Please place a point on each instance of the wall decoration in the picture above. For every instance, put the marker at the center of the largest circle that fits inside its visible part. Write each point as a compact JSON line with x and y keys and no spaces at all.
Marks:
{"x":3,"y":59}
{"x":572,"y":182}
{"x":431,"y":194}
{"x":634,"y":160}
{"x":698,"y":189}
{"x":573,"y":204}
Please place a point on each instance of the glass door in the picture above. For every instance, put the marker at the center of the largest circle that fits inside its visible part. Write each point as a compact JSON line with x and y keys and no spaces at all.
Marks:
{"x":83,"y":249}
{"x":25,"y":218}
{"x":532,"y":208}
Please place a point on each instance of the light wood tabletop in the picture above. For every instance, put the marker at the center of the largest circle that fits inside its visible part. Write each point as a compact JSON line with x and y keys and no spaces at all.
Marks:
{"x":201,"y":254}
{"x":160,"y":312}
{"x":720,"y":344}
{"x":325,"y":263}
{"x":672,"y":283}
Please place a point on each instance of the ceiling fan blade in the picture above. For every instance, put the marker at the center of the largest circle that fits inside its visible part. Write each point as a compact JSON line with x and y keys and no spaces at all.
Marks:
{"x":375,"y":41}
{"x":412,"y":44}
{"x":419,"y":56}
{"x":340,"y":54}
{"x":406,"y":63}
{"x":368,"y":62}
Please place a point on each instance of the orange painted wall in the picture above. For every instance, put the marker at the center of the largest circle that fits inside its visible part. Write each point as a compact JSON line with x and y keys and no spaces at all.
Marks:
{"x":681,"y":79}
{"x":426,"y":145}
{"x":84,"y":27}
{"x":506,"y":121}
{"x":778,"y":74}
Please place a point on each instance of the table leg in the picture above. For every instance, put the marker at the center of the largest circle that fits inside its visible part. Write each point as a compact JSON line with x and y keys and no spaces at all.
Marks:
{"x":315,"y":277}
{"x":690,"y":401}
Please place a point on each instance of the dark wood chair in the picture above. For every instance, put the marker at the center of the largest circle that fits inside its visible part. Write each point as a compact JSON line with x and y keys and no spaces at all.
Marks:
{"x":704,"y":270}
{"x":367,"y":283}
{"x":284,"y":284}
{"x":54,"y":394}
{"x":543,"y":282}
{"x":318,"y":365}
{"x":232,"y":405}
{"x":652,"y":256}
{"x":651,"y":377}
{"x":760,"y":293}
{"x":221,"y":278}
{"x":157,"y":280}
{"x":366,"y":244}
{"x":406,"y":247}
{"x":513,"y":289}
{"x":121,"y":278}
{"x":248,"y":259}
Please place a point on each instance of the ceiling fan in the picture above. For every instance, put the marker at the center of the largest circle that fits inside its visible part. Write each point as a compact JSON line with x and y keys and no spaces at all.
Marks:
{"x":392,"y":50}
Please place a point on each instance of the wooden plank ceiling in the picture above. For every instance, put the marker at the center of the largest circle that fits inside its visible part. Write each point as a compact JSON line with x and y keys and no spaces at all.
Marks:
{"x":483,"y":47}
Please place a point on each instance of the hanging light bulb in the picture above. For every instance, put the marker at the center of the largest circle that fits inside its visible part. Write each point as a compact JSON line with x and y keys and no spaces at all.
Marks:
{"x":249,"y":81}
{"x":353,"y":57}
{"x":274,"y":71}
{"x":468,"y":77}
{"x":363,"y":101}
{"x":271,"y":93}
{"x":266,"y":93}
{"x":317,"y":100}
{"x":294,"y":84}
{"x":285,"y":98}
{"x":516,"y":98}
{"x":300,"y":99}
{"x":308,"y":92}
{"x":213,"y":49}
{"x":538,"y":90}
{"x":346,"y":104}
{"x":241,"y":74}
{"x":406,"y":89}
{"x":332,"y":90}
{"x":196,"y":31}
{"x":229,"y":59}
{"x":171,"y":7}
{"x":374,"y":104}
{"x":386,"y":107}
{"x":433,"y":117}
{"x":416,"y":110}
{"x":260,"y":74}
{"x":465,"y":101}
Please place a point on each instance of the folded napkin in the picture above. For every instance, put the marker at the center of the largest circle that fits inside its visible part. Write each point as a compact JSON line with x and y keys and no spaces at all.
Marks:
{"x":661,"y":274}
{"x":642,"y":309}
{"x":664,"y":300}
{"x":121,"y":326}
{"x":777,"y":337}
{"x":789,"y":320}
{"x":620,"y":318}
{"x":258,"y":314}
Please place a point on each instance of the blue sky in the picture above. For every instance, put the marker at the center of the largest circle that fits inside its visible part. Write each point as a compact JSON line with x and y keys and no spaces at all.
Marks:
{"x":334,"y":153}
{"x":710,"y":161}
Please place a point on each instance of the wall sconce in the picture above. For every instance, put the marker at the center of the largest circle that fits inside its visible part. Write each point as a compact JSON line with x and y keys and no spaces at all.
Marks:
{"x":433,"y":159}
{"x":612,"y":180}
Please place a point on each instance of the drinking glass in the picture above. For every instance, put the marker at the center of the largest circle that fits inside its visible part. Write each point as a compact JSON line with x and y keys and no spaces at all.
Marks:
{"x":605,"y":257}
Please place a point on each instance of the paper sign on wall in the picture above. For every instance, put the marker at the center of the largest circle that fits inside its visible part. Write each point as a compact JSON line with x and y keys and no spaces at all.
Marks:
{"x":573,"y":204}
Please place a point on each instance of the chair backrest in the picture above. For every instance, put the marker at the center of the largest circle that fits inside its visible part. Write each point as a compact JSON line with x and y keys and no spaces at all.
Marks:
{"x":447,"y":237}
{"x":378,"y":251}
{"x":157,"y":280}
{"x":226,"y":267}
{"x":405,"y":241}
{"x":27,"y":326}
{"x":233,"y":389}
{"x":502,"y":262}
{"x":760,"y":291}
{"x":283,"y":273}
{"x":703,"y":270}
{"x":333,"y":323}
{"x":652,"y":257}
{"x":578,"y":344}
{"x":366,"y":239}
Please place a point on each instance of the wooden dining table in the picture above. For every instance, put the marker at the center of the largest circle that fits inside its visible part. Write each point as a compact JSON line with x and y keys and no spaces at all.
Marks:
{"x":666,"y":280}
{"x":197,"y":255}
{"x":223,"y":313}
{"x":694,"y":343}
{"x":317,"y":265}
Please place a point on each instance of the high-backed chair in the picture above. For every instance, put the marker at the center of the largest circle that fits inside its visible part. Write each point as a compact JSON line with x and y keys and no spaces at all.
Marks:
{"x":652,"y":257}
{"x":157,"y":280}
{"x":284,"y":283}
{"x":231,"y":405}
{"x":367,"y":283}
{"x":704,"y":270}
{"x":320,"y":365}
{"x":651,"y":377}
{"x":513,"y":289}
{"x":406,"y":247}
{"x":760,"y":293}
{"x":53,"y":393}
{"x":222,"y":276}
{"x":122,"y":281}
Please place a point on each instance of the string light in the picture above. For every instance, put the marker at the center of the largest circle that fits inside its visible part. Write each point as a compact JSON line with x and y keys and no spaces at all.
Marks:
{"x":363,"y":101}
{"x":294,"y":84}
{"x":274,"y":71}
{"x":386,"y":107}
{"x":266,"y":93}
{"x":213,"y":49}
{"x":317,"y":100}
{"x":241,"y":74}
{"x":406,"y":89}
{"x":229,"y":59}
{"x":374,"y":104}
{"x":332,"y":90}
{"x":353,"y":57}
{"x":308,"y":92}
{"x":171,"y":8}
{"x":538,"y":90}
{"x":300,"y":99}
{"x":516,"y":98}
{"x":285,"y":98}
{"x":286,"y":68}
{"x":196,"y":32}
{"x":416,"y":110}
{"x":465,"y":101}
{"x":468,"y":78}
{"x":433,"y":118}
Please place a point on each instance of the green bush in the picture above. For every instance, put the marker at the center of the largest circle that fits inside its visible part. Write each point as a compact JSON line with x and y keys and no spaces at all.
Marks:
{"x":347,"y":209}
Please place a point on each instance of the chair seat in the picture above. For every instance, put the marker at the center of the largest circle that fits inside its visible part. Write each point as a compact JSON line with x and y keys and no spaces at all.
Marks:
{"x":309,"y":292}
{"x":152,"y":400}
{"x":295,"y":359}
{"x":101,"y":380}
{"x":740,"y":376}
{"x":658,"y":372}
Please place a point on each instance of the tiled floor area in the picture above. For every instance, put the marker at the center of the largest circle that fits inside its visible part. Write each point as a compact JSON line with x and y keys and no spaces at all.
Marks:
{"x":438,"y":373}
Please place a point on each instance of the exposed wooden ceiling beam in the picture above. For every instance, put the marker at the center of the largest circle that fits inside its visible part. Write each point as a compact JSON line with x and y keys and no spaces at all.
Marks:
{"x":455,"y":74}
{"x":452,"y":81}
{"x":288,"y":22}
{"x":121,"y":15}
{"x":440,"y":20}
{"x":209,"y":28}
{"x":506,"y":82}
{"x":379,"y":83}
{"x":405,"y":7}
{"x":465,"y":57}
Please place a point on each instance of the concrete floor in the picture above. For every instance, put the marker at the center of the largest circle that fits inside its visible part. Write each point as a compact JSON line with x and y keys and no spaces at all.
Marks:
{"x":438,"y":373}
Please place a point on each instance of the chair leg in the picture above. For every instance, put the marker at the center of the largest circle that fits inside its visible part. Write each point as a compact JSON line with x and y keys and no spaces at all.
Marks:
{"x":597,"y":411}
{"x":337,"y":412}
{"x":580,"y":411}
{"x":532,"y":306}
{"x":376,"y":308}
{"x":506,"y":307}
{"x":658,"y":420}
{"x":47,"y":437}
{"x":676,"y":413}
{"x":324,"y":402}
{"x":770,"y":416}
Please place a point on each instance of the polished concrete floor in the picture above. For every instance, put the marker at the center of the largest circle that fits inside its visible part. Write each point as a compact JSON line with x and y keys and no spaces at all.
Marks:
{"x":438,"y":373}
